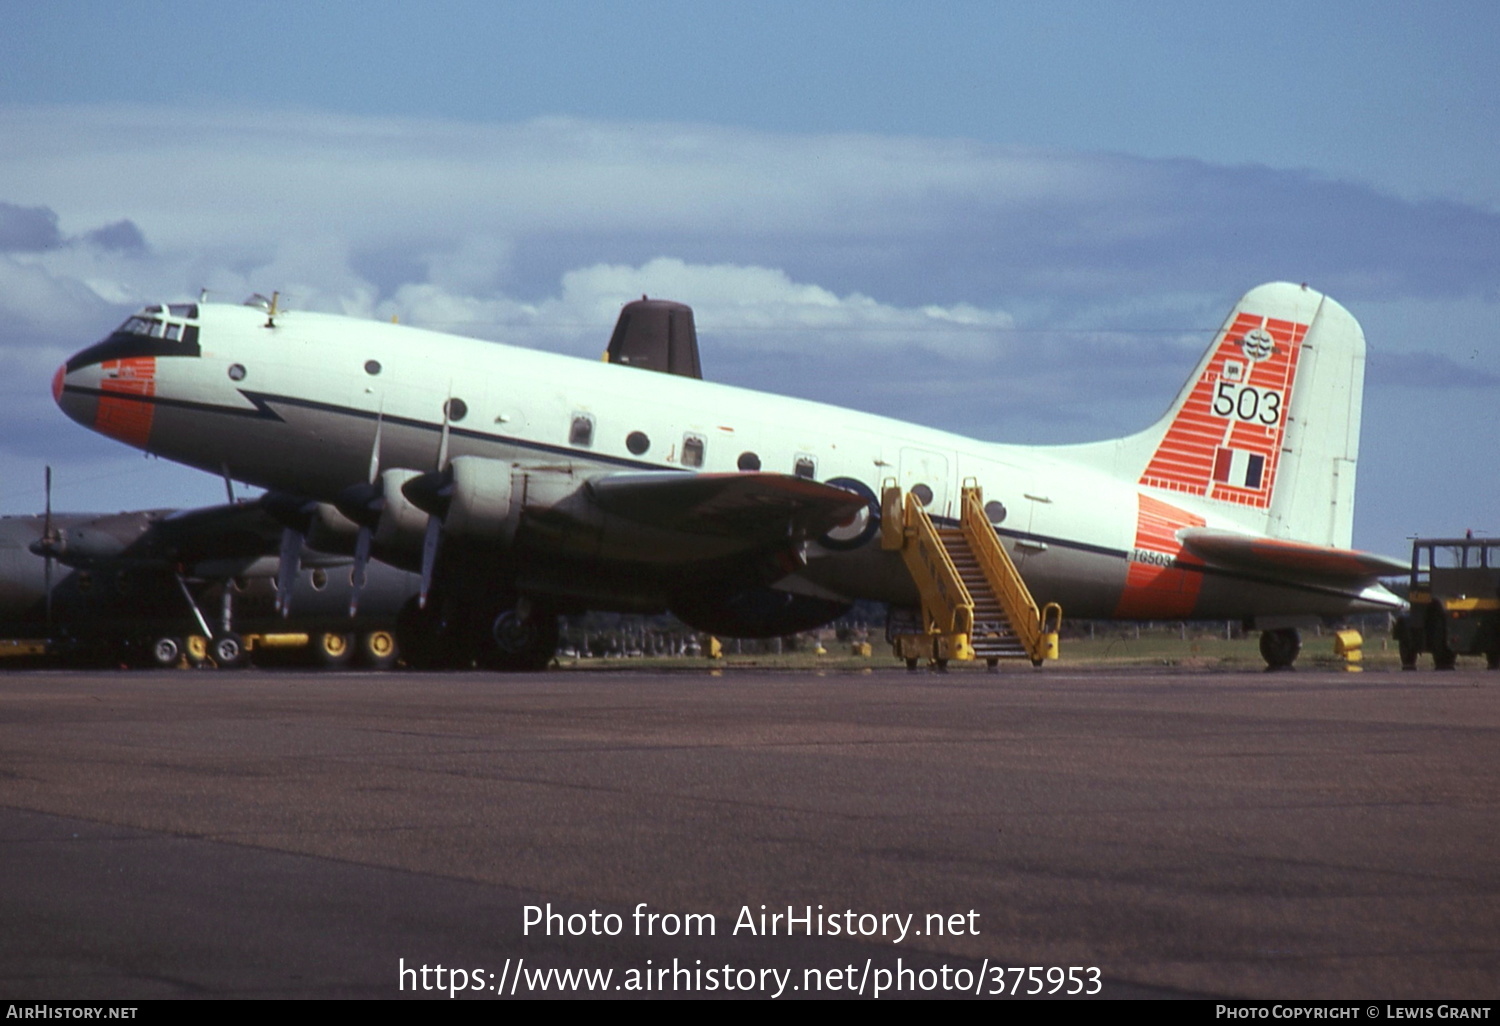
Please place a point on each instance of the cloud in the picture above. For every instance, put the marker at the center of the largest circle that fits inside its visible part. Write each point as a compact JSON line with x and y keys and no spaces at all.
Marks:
{"x":1430,"y":370}
{"x":27,"y":229}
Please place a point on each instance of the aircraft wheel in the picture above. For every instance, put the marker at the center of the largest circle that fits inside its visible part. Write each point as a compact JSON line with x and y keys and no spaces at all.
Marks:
{"x":228,"y":651}
{"x":166,"y":652}
{"x":1279,"y":648}
{"x":521,"y":643}
{"x":419,"y":636}
{"x":333,"y":650}
{"x":377,"y":650}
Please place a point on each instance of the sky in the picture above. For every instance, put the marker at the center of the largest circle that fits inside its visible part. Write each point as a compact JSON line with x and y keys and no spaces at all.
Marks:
{"x":1021,"y":222}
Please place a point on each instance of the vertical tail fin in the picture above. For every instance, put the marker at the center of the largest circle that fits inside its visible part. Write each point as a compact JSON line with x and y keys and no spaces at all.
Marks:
{"x":1266,"y":431}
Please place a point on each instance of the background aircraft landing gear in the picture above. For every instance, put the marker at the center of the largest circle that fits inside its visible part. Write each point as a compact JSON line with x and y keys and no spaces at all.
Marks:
{"x":377,"y":650}
{"x":228,"y":652}
{"x":166,"y":653}
{"x":1279,"y":648}
{"x":332,"y":650}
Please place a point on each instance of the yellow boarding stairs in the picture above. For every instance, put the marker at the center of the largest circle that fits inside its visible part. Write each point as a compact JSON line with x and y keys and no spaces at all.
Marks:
{"x":974,"y":603}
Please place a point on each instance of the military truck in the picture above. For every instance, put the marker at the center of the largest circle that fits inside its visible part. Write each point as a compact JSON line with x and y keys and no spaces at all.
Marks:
{"x":1455,"y":602}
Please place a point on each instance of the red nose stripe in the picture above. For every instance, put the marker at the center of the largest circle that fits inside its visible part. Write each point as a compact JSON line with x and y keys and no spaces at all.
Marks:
{"x":128,"y":417}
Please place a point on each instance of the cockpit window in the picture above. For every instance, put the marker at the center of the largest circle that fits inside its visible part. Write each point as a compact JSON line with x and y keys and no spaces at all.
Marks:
{"x":147,"y":333}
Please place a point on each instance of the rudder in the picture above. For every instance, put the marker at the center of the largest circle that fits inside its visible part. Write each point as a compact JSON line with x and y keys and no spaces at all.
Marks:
{"x":1267,"y":428}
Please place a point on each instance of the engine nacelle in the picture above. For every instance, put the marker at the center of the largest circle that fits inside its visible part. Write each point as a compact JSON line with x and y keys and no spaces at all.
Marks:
{"x":490,"y":496}
{"x":401,"y":523}
{"x":756,"y":612}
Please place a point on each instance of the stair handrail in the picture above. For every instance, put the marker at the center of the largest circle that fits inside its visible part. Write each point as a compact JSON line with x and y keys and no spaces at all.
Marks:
{"x":946,"y":601}
{"x":1015,"y":598}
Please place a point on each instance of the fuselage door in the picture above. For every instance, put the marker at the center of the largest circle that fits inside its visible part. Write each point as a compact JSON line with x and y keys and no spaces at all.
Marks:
{"x":925,"y":473}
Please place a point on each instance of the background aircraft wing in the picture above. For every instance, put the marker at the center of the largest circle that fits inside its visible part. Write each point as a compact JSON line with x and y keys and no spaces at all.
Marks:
{"x":1287,"y":558}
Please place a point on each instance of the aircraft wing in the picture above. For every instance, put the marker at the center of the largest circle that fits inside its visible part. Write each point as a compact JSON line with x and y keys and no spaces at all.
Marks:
{"x":1287,"y":558}
{"x":754,"y":507}
{"x":228,"y":531}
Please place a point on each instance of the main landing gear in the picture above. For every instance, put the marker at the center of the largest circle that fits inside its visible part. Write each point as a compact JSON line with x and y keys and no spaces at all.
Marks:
{"x":1280,"y":647}
{"x":516,"y":637}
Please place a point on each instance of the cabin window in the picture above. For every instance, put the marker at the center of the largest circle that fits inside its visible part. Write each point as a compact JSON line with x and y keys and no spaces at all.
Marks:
{"x":637,"y":442}
{"x":174,"y":332}
{"x":692,"y":450}
{"x":806,"y":467}
{"x":455,"y":410}
{"x":372,"y":367}
{"x":923,"y":494}
{"x":994,"y":512}
{"x":236,"y":372}
{"x":748,"y":461}
{"x":581,"y":433}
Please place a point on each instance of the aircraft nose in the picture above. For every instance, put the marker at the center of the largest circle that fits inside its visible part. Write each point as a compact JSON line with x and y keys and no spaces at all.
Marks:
{"x":77,"y":404}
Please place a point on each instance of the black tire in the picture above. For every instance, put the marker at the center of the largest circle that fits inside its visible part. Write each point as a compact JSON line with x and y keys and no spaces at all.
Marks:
{"x":1443,"y":657}
{"x":419,"y":636}
{"x":1280,"y":648}
{"x":1406,"y":645}
{"x":520,"y":645}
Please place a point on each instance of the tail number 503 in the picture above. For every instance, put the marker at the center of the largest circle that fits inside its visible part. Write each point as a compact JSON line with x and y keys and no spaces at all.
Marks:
{"x":1247,"y":403}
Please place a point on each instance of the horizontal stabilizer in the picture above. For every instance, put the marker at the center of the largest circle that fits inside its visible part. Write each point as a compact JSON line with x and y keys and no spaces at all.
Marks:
{"x":766,"y":507}
{"x":1286,"y":558}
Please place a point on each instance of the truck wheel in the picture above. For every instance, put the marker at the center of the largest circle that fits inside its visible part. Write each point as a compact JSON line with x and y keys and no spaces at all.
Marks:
{"x":1406,"y":645}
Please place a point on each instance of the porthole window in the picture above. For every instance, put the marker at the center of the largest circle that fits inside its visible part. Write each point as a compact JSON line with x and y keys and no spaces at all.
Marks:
{"x":748,"y":461}
{"x":995,"y":512}
{"x":923,"y":494}
{"x":455,"y":410}
{"x":581,"y":433}
{"x":806,"y":467}
{"x":637,"y":442}
{"x":236,"y":372}
{"x":372,"y":367}
{"x":692,"y":450}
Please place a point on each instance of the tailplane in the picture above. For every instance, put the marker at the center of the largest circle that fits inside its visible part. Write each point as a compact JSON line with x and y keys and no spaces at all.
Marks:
{"x":1266,"y":431}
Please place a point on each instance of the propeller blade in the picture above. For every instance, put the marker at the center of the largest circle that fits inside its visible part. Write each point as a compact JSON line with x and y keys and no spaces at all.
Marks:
{"x":431,"y":536}
{"x":49,"y":542}
{"x":375,"y":449}
{"x":361,"y":560}
{"x":442,"y":459}
{"x":292,"y":542}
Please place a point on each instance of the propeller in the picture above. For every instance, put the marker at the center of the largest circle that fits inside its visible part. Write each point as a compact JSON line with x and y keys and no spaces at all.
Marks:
{"x":363,"y":503}
{"x":296,"y":515}
{"x":49,"y":542}
{"x":432,"y":494}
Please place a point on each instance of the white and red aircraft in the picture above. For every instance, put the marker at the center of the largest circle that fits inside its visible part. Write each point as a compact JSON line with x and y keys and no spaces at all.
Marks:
{"x":526,"y":484}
